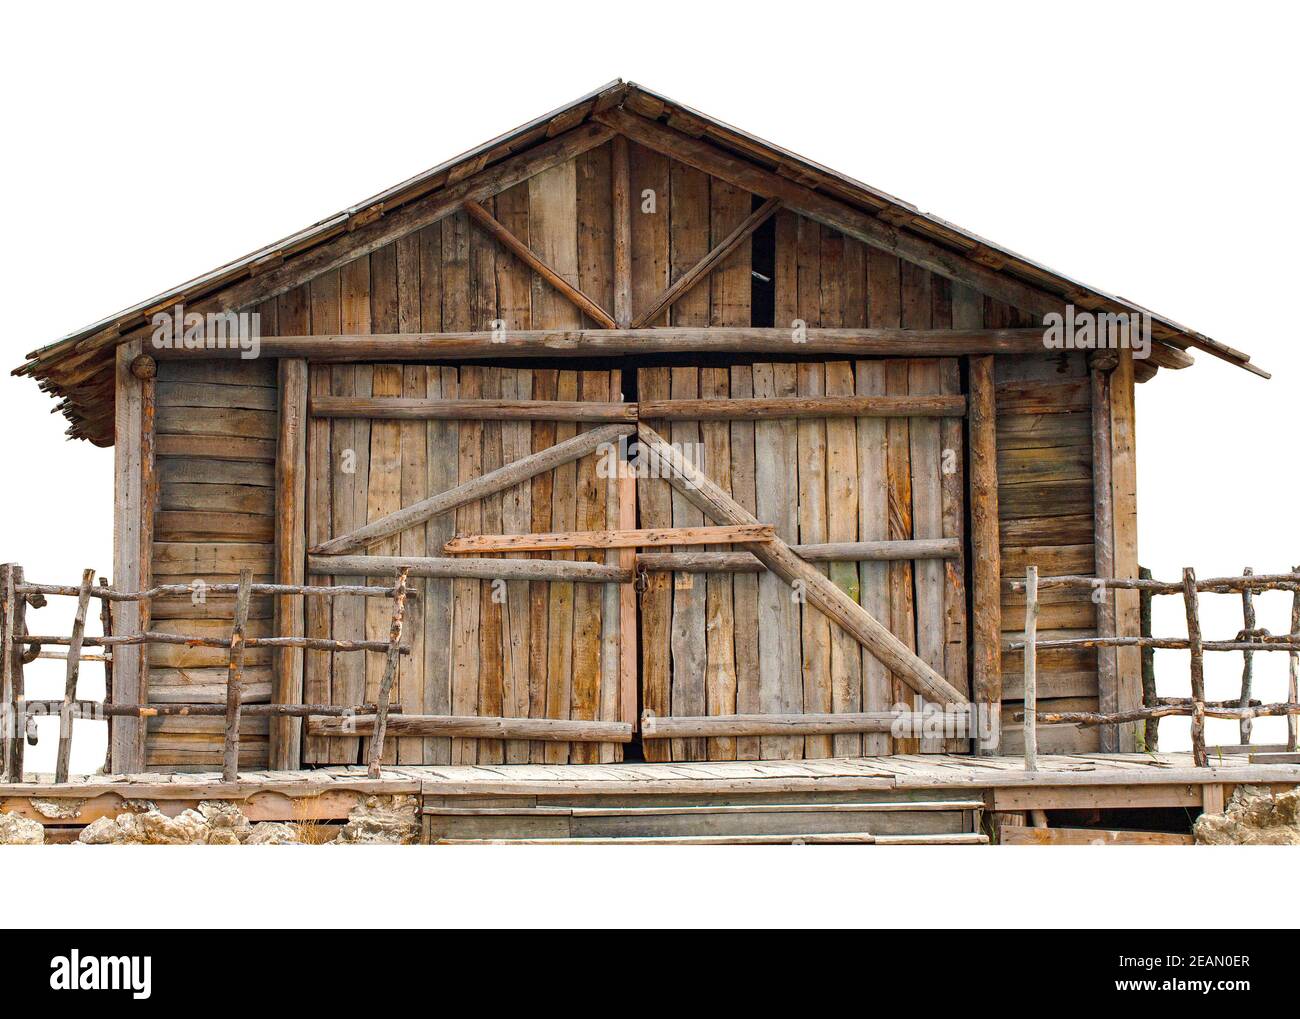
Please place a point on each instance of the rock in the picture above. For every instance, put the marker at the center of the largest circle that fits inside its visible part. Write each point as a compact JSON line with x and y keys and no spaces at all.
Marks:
{"x":154,"y":828}
{"x":1254,"y":817}
{"x":16,"y":830}
{"x":221,"y":815}
{"x":103,"y":831}
{"x":60,"y":809}
{"x":272,"y":833}
{"x":384,"y":820}
{"x":222,"y":837}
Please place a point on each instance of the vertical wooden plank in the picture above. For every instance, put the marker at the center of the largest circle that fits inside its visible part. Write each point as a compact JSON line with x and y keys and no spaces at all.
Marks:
{"x":1123,"y":466}
{"x":901,"y":594}
{"x":611,"y":673}
{"x":688,"y":641}
{"x":131,"y":555}
{"x":322,"y":470}
{"x":627,"y":614}
{"x":290,"y":557}
{"x":539,"y":593}
{"x":621,"y":203}
{"x":779,"y":648}
{"x":842,"y":525}
{"x":564,"y":512}
{"x":816,"y":630}
{"x":953,"y":493}
{"x":465,"y":593}
{"x":873,"y":525}
{"x":588,"y":599}
{"x":516,"y":518}
{"x":491,"y":687}
{"x":655,"y":507}
{"x":443,"y":466}
{"x":927,"y":522}
{"x":744,"y":586}
{"x":720,"y":627}
{"x":10,"y":665}
{"x":1030,"y":735}
{"x":986,"y":569}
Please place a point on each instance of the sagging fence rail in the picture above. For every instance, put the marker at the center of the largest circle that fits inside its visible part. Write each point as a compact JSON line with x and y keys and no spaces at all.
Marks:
{"x":21,"y":647}
{"x":1249,"y":641}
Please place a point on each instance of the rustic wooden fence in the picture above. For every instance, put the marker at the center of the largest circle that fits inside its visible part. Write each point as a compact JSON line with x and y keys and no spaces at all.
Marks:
{"x":22,"y":647}
{"x":1250,"y":640}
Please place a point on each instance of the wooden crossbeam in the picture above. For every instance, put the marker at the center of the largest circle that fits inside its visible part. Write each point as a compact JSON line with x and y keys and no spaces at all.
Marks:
{"x":488,"y":484}
{"x":708,"y":263}
{"x":526,"y":255}
{"x":478,"y":727}
{"x":818,"y":588}
{"x":557,"y":343}
{"x":413,"y":409}
{"x":472,"y":569}
{"x":642,"y":538}
{"x":750,"y":409}
{"x":834,"y":552}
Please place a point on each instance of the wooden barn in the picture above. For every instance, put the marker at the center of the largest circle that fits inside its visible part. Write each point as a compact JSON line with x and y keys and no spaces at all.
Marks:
{"x":688,"y":450}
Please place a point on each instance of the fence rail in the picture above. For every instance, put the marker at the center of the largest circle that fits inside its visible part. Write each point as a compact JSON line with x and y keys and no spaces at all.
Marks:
{"x":1250,"y":640}
{"x":21,"y":647}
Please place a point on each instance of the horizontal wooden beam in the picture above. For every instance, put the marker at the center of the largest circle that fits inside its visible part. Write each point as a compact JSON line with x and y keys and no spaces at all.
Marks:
{"x":528,"y":343}
{"x":477,"y":488}
{"x":473,"y":727}
{"x":526,"y":255}
{"x":803,"y":407}
{"x":709,"y":262}
{"x":411,"y":409}
{"x":840,"y":551}
{"x":704,"y":726}
{"x":464,"y":568}
{"x":641,"y":538}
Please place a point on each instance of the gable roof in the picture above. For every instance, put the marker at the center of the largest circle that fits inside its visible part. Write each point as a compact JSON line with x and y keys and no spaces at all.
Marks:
{"x":78,"y":368}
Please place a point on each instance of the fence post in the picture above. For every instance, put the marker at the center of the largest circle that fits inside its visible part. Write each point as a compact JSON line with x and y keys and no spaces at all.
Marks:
{"x":390,"y":672}
{"x":1151,"y":727}
{"x":106,"y":625}
{"x":9,"y":727}
{"x":1191,"y":603}
{"x":1031,"y":669}
{"x":64,"y":759}
{"x":1248,"y":657}
{"x":235,"y":679}
{"x":1293,"y":679}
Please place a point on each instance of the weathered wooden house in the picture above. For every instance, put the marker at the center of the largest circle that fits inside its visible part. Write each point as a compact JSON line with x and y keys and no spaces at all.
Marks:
{"x":856,"y":422}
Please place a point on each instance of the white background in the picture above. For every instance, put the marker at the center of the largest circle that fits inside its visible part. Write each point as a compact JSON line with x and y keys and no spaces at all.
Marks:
{"x":1148,"y":150}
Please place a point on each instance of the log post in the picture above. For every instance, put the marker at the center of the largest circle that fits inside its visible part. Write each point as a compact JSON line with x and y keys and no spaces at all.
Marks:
{"x":1293,"y":679}
{"x":106,"y":626}
{"x":986,"y":562}
{"x":1031,"y":669}
{"x":1247,"y":657}
{"x":1151,"y":728}
{"x":1190,"y":600}
{"x":235,"y":678}
{"x":73,"y":672}
{"x":390,"y":671}
{"x":12,"y":661}
{"x":290,"y":559}
{"x":1104,"y":548}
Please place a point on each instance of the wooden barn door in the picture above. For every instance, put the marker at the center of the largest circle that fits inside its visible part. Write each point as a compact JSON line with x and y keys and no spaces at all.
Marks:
{"x":742,"y":643}
{"x":487,"y":648}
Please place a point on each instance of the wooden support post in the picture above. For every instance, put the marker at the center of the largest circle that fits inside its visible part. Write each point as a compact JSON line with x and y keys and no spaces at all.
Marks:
{"x":1212,"y":798}
{"x":1151,"y":727}
{"x":290,"y":559}
{"x":106,"y":627}
{"x":64,"y":758}
{"x":1293,"y":677}
{"x":235,"y":678}
{"x":132,"y":544}
{"x":986,"y":566}
{"x":390,"y":672}
{"x":627,"y":599}
{"x":1103,"y":517}
{"x":1031,"y":669}
{"x":1247,"y":657}
{"x":1190,"y":601}
{"x":10,"y":729}
{"x":621,"y":200}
